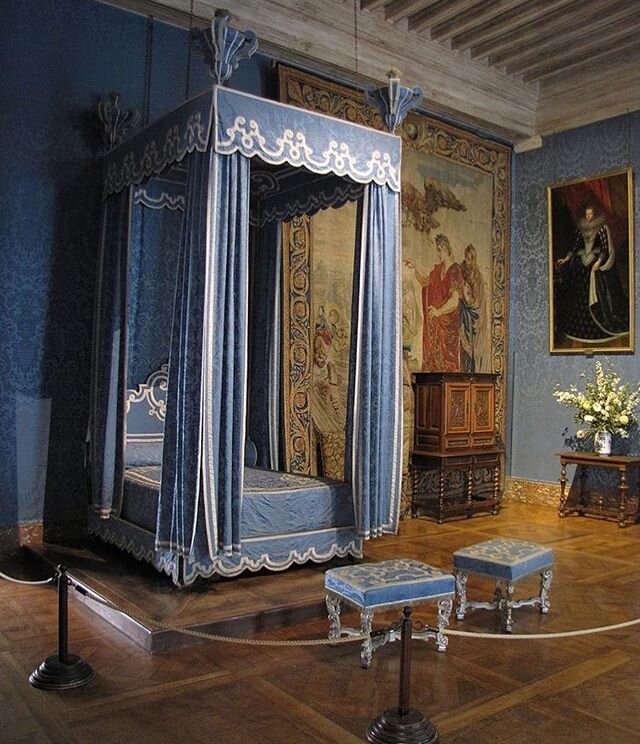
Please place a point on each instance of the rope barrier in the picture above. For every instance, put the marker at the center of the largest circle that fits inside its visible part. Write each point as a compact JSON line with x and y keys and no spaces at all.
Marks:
{"x":352,"y":638}
{"x":212,"y":636}
{"x":21,"y":581}
{"x":543,"y":636}
{"x":141,"y":617}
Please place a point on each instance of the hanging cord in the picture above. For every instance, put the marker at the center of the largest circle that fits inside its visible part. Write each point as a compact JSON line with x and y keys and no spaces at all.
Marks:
{"x":188,"y":80}
{"x":148,"y":62}
{"x":21,"y":581}
{"x":355,"y":42}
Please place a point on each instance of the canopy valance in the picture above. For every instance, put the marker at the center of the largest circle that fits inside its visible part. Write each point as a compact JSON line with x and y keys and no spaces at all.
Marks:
{"x":159,"y":145}
{"x":278,"y":133}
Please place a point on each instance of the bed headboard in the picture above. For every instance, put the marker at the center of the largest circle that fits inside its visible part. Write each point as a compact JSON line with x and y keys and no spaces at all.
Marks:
{"x":145,"y":408}
{"x":145,"y":412}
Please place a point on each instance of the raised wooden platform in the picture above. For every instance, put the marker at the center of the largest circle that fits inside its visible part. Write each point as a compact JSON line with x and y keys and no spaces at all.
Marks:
{"x":242,"y":606}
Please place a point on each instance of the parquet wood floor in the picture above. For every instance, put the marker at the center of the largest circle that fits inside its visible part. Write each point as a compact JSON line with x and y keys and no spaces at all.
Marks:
{"x":584,"y":688}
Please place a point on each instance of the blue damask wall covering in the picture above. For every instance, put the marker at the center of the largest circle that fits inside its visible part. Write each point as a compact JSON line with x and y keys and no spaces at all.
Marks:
{"x":537,"y":422}
{"x":56,"y":59}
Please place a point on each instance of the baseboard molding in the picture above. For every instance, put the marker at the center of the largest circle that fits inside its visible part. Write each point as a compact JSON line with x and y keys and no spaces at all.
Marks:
{"x":532,"y":492}
{"x":34,"y":534}
{"x":13,"y":537}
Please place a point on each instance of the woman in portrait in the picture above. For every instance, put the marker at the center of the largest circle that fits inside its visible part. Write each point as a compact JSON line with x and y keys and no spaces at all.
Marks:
{"x":588,"y":283}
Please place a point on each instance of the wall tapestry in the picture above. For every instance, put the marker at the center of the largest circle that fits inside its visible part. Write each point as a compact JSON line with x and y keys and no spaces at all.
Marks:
{"x":455,"y":231}
{"x":591,"y":264}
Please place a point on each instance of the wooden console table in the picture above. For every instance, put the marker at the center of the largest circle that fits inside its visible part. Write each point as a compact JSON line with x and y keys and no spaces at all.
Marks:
{"x":623,"y":464}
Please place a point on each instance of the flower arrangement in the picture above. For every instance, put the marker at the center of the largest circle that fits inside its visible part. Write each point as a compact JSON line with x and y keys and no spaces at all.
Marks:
{"x":606,"y":405}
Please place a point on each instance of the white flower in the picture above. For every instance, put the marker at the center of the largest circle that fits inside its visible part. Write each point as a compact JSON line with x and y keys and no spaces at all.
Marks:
{"x":623,"y":419}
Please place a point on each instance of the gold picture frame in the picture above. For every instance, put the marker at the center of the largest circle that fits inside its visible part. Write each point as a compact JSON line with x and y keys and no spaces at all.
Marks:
{"x":591,"y":274}
{"x":472,"y":199}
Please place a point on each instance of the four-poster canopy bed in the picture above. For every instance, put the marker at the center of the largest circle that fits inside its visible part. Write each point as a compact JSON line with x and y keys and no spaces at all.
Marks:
{"x":189,"y":273}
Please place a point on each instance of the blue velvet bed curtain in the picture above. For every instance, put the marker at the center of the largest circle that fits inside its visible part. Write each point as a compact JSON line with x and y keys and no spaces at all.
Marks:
{"x":181,"y":449}
{"x":201,"y":491}
{"x":155,"y":241}
{"x":266,"y":324}
{"x":374,"y":415}
{"x":106,"y":426}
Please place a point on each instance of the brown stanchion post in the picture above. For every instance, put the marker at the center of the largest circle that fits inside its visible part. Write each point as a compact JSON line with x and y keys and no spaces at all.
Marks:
{"x":63,"y":671}
{"x":63,"y":622}
{"x":405,"y":663}
{"x":403,"y":724}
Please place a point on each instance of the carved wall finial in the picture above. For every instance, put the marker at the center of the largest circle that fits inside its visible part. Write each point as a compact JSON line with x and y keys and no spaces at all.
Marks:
{"x":224,"y":47}
{"x":393,"y":101}
{"x":114,"y":121}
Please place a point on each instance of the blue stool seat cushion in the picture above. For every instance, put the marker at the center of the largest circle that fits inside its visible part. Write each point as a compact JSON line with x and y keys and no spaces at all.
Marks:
{"x":388,"y":582}
{"x":503,"y":558}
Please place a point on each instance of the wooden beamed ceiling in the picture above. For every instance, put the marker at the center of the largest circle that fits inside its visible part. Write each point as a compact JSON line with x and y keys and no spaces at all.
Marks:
{"x":537,"y":39}
{"x":515,"y":68}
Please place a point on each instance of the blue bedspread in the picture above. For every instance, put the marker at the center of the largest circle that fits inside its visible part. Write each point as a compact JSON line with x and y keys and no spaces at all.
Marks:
{"x":273,"y":503}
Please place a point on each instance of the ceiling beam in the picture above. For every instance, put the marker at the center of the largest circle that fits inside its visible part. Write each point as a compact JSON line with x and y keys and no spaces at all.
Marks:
{"x":438,"y":12}
{"x":399,"y":9}
{"x":372,"y":4}
{"x":570,"y":64}
{"x":484,"y":13}
{"x":507,"y":23}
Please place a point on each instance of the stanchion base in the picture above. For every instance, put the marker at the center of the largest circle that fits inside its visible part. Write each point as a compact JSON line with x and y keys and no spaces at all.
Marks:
{"x":53,"y":674}
{"x":392,"y":728}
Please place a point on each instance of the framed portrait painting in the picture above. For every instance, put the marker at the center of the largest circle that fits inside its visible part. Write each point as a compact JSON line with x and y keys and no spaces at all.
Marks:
{"x":591,"y":264}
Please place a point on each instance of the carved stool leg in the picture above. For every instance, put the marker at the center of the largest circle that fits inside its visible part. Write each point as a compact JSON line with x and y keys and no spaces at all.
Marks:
{"x":444,"y":612}
{"x":334,"y":606}
{"x":546,"y":577}
{"x":497,"y":595}
{"x":461,"y":594}
{"x":508,"y":605}
{"x":366,"y":651}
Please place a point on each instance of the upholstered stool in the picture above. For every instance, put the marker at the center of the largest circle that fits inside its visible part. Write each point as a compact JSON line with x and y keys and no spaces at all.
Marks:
{"x":506,"y":561}
{"x":380,"y":586}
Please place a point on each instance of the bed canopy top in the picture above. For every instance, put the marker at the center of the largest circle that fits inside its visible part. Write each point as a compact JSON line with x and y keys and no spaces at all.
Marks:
{"x":227,"y":160}
{"x":306,"y":161}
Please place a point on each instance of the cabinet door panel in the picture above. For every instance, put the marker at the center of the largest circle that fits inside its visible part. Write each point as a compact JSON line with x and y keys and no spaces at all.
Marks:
{"x":482,"y":408}
{"x":457,"y":408}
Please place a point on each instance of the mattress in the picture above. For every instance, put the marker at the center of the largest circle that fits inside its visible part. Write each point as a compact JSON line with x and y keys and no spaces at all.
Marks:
{"x":273,"y":503}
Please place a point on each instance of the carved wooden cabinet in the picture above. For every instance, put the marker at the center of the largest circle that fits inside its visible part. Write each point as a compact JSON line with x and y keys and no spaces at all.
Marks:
{"x":455,"y":461}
